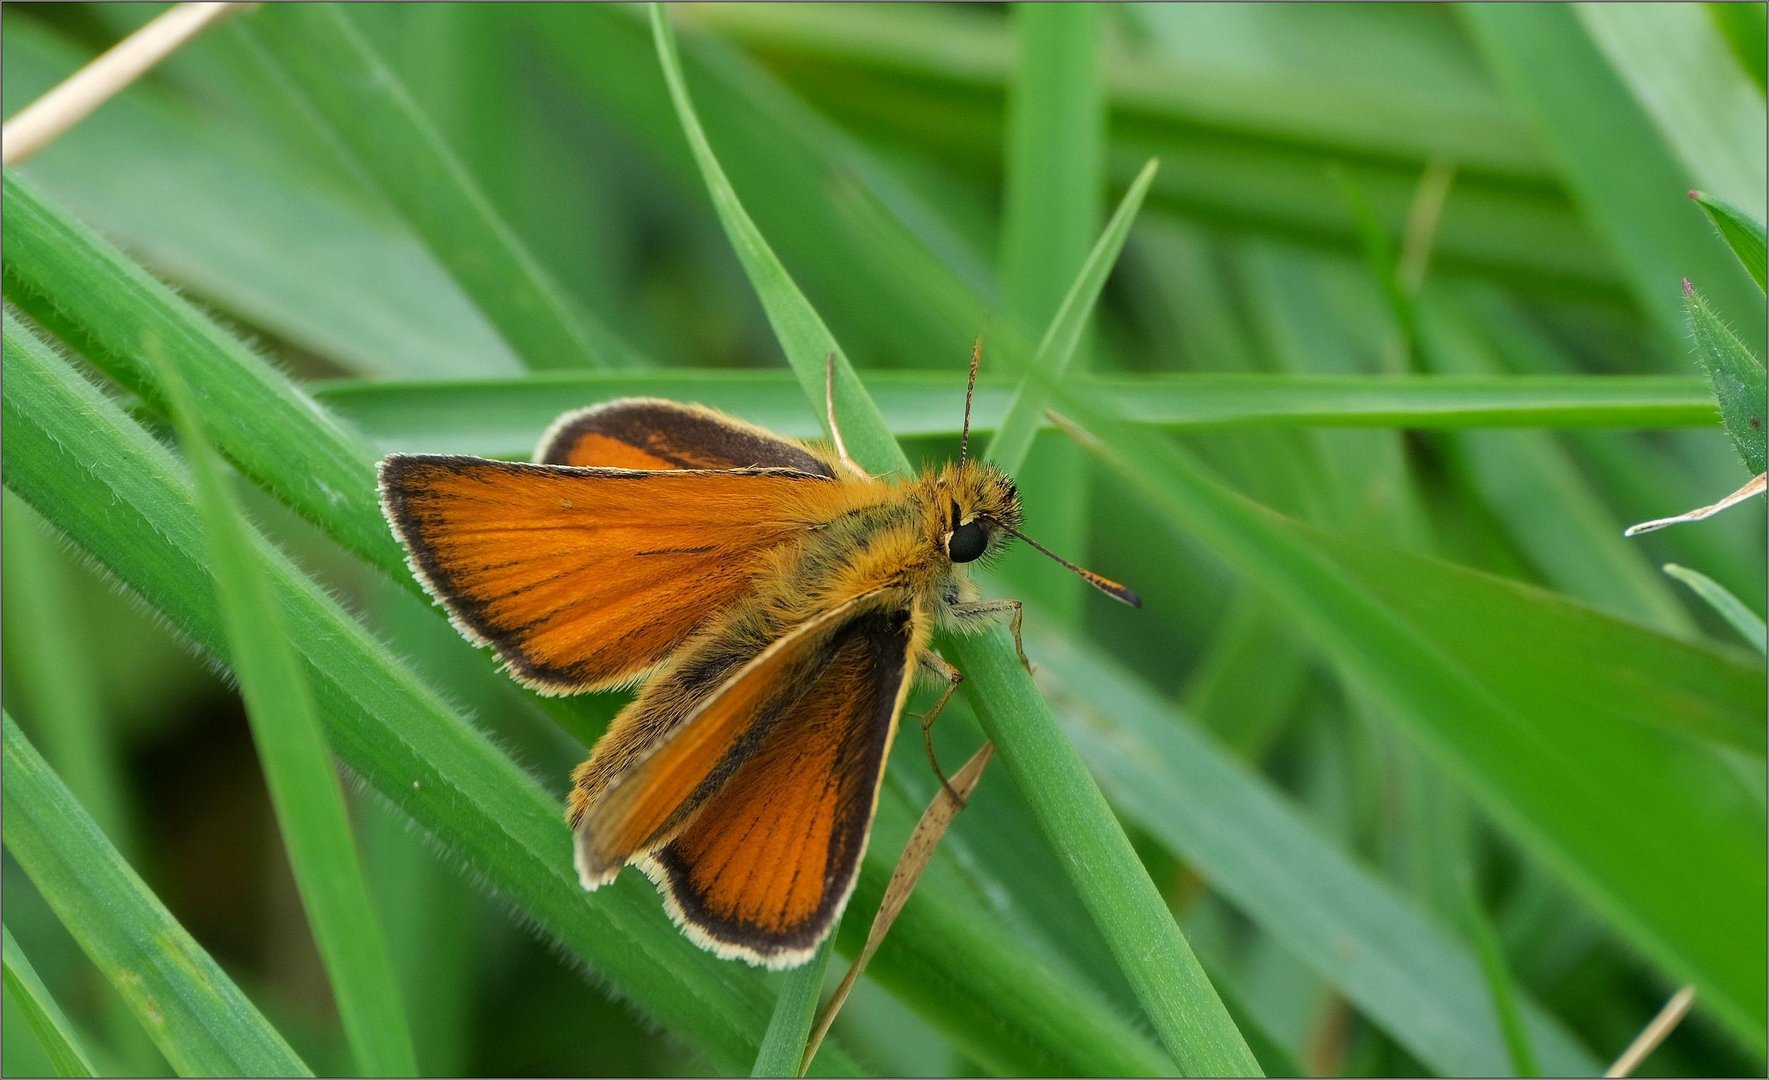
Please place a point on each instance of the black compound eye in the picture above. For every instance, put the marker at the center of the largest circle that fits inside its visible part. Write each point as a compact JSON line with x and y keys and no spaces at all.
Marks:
{"x":967,"y":542}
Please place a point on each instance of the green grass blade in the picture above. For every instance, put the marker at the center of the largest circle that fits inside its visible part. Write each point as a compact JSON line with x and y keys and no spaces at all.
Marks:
{"x":1597,"y":779}
{"x":1679,"y":68}
{"x":1742,"y":233}
{"x":1026,"y":410}
{"x":1257,"y":160}
{"x":783,"y":1044}
{"x":372,"y":114}
{"x":47,"y":1021}
{"x":63,"y":707}
{"x":195,"y":1014}
{"x":1613,"y":158}
{"x":1738,"y":377}
{"x":804,"y":338}
{"x":1741,"y":618}
{"x":499,"y":417}
{"x":304,"y":790}
{"x":110,"y":308}
{"x":1263,"y":854}
{"x":321,"y":272}
{"x":1185,"y":1010}
{"x":1053,"y":186}
{"x":1743,"y":27}
{"x":1055,"y":156}
{"x":1154,"y":957}
{"x":1499,"y":981}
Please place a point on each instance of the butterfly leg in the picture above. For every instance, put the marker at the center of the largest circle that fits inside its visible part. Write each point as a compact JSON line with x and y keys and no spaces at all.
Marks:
{"x":931,"y":663}
{"x":967,"y":618}
{"x":835,"y":431}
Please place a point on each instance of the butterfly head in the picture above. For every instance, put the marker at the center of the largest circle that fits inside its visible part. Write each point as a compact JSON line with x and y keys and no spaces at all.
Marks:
{"x":981,"y":506}
{"x":975,"y":509}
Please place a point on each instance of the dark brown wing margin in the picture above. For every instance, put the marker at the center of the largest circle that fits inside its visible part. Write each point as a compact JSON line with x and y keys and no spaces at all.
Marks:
{"x":651,"y":433}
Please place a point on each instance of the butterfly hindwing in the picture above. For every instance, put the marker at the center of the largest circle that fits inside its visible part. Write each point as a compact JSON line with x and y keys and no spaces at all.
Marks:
{"x":753,"y":814}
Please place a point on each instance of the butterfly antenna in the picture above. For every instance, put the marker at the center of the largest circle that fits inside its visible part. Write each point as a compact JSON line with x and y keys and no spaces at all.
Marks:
{"x":1103,"y":584}
{"x":970,"y":390}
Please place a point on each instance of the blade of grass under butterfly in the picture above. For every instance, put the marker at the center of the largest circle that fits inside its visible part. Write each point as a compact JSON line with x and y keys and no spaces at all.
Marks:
{"x":392,"y":729}
{"x":802,"y":333}
{"x":1597,"y":779}
{"x":1741,"y":618}
{"x":47,"y":1021}
{"x":783,"y":1044}
{"x":192,"y":1010}
{"x":1175,"y":993}
{"x":361,"y":100}
{"x":312,"y":441}
{"x":304,"y":790}
{"x":1025,"y":412}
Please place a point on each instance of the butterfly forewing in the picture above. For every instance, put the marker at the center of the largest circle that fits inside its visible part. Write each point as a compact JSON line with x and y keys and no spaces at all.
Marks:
{"x":583,"y":578}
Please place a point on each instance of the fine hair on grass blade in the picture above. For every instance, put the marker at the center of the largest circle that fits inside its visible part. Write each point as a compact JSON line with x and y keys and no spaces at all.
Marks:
{"x":297,"y":764}
{"x":1114,"y":885}
{"x":923,"y":841}
{"x":193,"y":1012}
{"x":47,"y":1021}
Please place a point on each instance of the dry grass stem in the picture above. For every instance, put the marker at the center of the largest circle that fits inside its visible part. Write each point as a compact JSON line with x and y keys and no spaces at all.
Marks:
{"x":916,"y":853}
{"x":52,"y":115}
{"x":1755,"y":487}
{"x":1653,"y":1033}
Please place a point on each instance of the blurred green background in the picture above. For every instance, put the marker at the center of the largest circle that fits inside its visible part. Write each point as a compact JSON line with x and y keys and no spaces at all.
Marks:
{"x":1409,"y":274}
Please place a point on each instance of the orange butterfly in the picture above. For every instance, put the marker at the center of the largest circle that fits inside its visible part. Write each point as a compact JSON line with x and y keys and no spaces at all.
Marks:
{"x":775,"y":601}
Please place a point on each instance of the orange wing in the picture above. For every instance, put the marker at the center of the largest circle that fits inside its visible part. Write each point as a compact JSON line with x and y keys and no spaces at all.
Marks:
{"x":753,"y":815}
{"x":583,"y":578}
{"x":651,"y":433}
